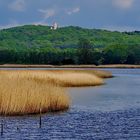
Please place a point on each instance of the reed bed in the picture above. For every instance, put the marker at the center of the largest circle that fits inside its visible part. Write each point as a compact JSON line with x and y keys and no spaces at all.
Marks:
{"x":26,"y":92}
{"x":70,"y":66}
{"x":98,"y":73}
{"x":123,"y":66}
{"x":21,"y":96}
{"x":59,"y":78}
{"x":74,"y":79}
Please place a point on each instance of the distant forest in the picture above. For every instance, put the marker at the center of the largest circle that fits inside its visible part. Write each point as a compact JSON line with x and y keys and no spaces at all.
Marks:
{"x":32,"y":44}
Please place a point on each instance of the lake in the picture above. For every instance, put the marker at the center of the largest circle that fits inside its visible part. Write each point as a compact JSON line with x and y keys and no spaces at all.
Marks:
{"x":108,"y":112}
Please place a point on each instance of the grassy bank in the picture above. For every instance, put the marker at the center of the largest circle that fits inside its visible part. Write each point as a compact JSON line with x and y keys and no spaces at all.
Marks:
{"x":69,"y":66}
{"x":123,"y":66}
{"x":28,"y":92}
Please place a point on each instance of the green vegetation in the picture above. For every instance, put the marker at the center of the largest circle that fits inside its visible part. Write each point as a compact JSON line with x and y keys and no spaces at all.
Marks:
{"x":32,"y":44}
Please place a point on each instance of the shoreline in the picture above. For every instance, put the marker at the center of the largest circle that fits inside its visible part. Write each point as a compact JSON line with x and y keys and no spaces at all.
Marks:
{"x":123,"y":66}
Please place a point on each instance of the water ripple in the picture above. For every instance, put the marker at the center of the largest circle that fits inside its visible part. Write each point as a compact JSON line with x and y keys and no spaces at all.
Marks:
{"x":75,"y":124}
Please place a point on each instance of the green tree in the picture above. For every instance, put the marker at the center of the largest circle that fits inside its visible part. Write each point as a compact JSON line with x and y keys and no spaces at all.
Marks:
{"x":85,"y":51}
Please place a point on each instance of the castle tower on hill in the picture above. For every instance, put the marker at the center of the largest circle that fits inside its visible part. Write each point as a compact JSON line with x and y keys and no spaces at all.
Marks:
{"x":54,"y":26}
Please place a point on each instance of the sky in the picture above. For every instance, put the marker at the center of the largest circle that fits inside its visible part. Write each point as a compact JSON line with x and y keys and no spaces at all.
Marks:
{"x":120,"y":15}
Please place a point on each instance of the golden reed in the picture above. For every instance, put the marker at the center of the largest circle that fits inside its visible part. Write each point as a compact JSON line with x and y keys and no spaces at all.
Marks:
{"x":26,"y":92}
{"x":20,"y":96}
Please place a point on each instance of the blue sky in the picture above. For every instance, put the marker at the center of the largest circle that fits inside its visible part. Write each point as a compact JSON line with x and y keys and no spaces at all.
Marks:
{"x":104,"y":14}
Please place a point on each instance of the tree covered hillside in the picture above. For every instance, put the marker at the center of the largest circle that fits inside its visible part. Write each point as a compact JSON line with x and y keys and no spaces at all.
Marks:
{"x":37,"y":44}
{"x":29,"y":36}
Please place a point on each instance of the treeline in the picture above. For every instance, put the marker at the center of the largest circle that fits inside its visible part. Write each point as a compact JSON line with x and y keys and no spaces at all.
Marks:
{"x":84,"y":54}
{"x":113,"y":54}
{"x":31,"y":44}
{"x":36,"y":56}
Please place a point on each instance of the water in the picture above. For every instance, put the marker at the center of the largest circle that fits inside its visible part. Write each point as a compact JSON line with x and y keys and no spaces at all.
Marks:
{"x":108,"y":112}
{"x":119,"y":93}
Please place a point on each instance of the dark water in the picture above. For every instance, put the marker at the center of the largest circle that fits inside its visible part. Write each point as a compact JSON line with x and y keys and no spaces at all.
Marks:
{"x":109,"y":112}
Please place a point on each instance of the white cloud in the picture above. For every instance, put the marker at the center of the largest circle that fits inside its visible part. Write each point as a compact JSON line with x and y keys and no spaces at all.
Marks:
{"x":123,"y":4}
{"x":73,"y":10}
{"x":47,"y":13}
{"x":17,"y":5}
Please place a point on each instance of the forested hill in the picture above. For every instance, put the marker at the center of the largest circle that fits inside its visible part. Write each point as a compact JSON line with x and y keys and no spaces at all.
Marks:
{"x":31,"y":36}
{"x":32,"y":44}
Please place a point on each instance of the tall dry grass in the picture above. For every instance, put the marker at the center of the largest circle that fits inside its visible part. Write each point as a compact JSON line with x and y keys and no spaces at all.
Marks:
{"x":73,"y":79}
{"x":20,"y":96}
{"x":123,"y":66}
{"x":98,"y":73}
{"x":59,"y":78}
{"x":26,"y":92}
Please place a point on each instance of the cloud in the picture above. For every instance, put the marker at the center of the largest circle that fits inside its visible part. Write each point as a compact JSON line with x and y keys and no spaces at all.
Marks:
{"x":123,"y":4}
{"x":17,"y":5}
{"x":47,"y":13}
{"x":73,"y":10}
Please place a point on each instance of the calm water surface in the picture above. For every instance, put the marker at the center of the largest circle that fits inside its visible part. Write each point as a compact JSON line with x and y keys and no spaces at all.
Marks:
{"x":120,"y":92}
{"x":108,"y":112}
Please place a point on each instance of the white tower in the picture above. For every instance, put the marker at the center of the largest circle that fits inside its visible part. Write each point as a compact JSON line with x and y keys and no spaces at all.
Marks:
{"x":54,"y":26}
